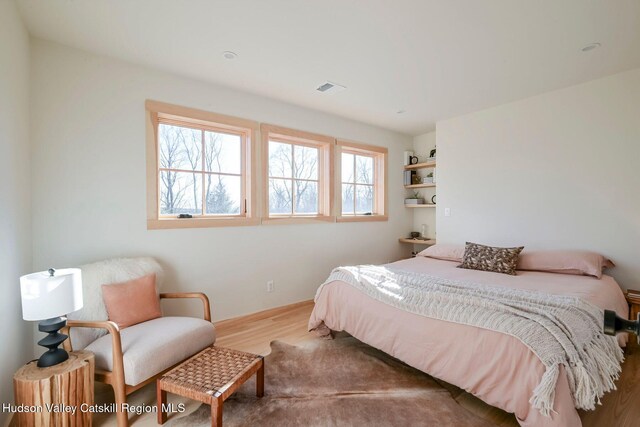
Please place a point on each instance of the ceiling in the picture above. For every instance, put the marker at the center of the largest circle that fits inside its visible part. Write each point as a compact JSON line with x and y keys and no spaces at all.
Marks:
{"x":433,"y":59}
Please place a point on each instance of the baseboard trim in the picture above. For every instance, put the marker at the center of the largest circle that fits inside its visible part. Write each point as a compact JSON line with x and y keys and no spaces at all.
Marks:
{"x":264,"y":313}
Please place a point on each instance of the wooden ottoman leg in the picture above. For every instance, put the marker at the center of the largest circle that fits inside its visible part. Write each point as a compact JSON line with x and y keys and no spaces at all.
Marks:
{"x":260,"y":380}
{"x":216,"y":412}
{"x":161,"y":403}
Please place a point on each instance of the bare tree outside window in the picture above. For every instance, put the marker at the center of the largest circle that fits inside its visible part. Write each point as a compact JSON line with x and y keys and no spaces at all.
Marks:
{"x":179,"y":154}
{"x":191,"y":160}
{"x":293,"y":179}
{"x":223,"y":159}
{"x":357,"y":184}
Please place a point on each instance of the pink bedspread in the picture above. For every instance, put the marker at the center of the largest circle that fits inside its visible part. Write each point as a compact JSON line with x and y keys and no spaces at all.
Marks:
{"x":497,"y":368}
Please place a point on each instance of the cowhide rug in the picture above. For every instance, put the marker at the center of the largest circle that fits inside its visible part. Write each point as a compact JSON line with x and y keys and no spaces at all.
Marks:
{"x":340,"y":382}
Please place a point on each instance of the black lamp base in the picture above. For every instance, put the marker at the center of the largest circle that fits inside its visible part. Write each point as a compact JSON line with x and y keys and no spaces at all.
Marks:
{"x":53,"y":355}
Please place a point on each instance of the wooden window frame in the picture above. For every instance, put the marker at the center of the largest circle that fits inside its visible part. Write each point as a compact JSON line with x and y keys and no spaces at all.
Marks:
{"x":325,"y":145}
{"x":380,"y":162}
{"x":157,"y":112}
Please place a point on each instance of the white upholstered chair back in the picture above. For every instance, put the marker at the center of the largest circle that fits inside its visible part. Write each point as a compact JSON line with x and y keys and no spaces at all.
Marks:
{"x":106,"y":272}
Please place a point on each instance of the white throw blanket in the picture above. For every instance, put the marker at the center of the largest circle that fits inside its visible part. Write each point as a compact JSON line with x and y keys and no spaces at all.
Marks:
{"x":560,"y":330}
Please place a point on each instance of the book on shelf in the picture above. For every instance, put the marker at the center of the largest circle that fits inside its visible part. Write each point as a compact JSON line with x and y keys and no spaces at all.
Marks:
{"x":633,"y":292}
{"x":408,"y":177}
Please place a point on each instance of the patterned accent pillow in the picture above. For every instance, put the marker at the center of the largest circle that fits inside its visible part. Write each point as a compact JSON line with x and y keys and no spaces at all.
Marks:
{"x":489,"y":258}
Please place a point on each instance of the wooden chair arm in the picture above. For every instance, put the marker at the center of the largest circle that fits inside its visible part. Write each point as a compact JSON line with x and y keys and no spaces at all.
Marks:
{"x":199,"y":295}
{"x":116,"y":342}
{"x":111,"y":327}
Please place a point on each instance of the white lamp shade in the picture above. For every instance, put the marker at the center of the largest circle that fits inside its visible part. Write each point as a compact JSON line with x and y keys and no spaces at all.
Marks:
{"x":45,"y":296}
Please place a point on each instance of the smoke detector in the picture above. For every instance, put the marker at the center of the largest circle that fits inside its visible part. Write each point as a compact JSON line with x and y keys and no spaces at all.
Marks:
{"x":330,"y":87}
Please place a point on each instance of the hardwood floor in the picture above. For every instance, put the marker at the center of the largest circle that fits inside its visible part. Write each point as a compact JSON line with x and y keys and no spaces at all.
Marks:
{"x":620,"y":408}
{"x":255,"y":332}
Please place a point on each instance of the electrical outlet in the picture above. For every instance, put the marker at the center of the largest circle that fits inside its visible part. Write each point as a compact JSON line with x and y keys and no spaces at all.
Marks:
{"x":270,"y":286}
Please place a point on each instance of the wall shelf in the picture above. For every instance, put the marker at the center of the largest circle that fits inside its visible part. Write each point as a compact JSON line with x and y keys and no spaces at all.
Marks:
{"x":420,"y":166}
{"x":423,"y":212}
{"x":428,"y":242}
{"x":426,"y":185}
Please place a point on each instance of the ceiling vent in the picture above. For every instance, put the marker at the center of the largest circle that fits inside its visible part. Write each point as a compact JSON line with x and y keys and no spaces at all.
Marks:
{"x":329,"y":87}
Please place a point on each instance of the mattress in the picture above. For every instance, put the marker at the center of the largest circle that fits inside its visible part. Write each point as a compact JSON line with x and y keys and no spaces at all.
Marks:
{"x":497,"y":368}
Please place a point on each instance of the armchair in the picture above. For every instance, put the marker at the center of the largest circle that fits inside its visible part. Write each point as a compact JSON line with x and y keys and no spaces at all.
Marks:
{"x":133,"y":357}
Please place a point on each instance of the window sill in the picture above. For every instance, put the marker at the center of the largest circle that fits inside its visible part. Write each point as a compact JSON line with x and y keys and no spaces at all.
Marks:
{"x":164,"y":224}
{"x":362,"y":218}
{"x":297,"y":219}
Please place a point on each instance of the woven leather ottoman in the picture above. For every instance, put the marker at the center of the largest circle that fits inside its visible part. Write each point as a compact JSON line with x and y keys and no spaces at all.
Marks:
{"x":210,"y":377}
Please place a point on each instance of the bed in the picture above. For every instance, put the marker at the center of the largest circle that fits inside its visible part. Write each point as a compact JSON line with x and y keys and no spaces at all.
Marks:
{"x":497,"y":368}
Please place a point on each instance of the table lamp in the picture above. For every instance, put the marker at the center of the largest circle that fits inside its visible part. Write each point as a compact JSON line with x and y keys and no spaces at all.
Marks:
{"x":48,"y":296}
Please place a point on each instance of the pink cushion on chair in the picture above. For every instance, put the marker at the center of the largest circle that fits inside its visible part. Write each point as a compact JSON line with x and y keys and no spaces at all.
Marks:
{"x":132,"y":302}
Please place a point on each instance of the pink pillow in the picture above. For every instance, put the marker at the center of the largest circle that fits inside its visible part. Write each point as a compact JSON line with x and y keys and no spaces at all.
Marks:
{"x":445,"y":252}
{"x":132,"y":302}
{"x":565,"y":262}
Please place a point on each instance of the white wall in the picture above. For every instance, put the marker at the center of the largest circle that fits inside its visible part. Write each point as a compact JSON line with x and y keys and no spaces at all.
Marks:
{"x":15,"y":219}
{"x":422,"y":146}
{"x":88,"y":138}
{"x":559,"y":170}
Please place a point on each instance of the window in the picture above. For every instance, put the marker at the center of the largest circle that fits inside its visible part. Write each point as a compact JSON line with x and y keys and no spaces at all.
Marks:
{"x":297,"y":174}
{"x":362,"y":183}
{"x":201,"y":165}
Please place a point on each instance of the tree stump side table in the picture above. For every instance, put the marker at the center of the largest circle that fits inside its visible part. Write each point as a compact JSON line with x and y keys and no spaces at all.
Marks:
{"x":66,"y":386}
